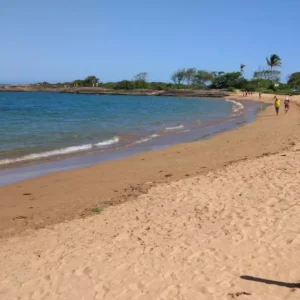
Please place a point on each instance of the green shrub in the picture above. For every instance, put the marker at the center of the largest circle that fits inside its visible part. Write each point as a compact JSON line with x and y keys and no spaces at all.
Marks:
{"x":231,"y":89}
{"x":125,"y":85}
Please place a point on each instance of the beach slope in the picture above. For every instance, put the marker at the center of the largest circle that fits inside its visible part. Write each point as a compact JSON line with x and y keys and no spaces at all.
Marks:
{"x":63,"y":196}
{"x":232,"y":232}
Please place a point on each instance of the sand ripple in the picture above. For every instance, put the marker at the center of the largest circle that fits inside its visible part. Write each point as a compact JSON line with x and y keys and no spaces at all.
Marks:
{"x":191,"y":239}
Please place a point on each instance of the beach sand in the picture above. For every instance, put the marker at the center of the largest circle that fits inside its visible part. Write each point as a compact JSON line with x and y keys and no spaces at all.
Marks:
{"x":216,"y":219}
{"x":62,"y":196}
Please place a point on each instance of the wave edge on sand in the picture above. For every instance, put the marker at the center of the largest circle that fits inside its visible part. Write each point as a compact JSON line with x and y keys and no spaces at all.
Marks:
{"x":236,"y":106}
{"x":62,"y":151}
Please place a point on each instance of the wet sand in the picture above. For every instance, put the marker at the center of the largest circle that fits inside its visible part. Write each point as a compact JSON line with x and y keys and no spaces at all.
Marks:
{"x":222,"y":223}
{"x":62,"y":196}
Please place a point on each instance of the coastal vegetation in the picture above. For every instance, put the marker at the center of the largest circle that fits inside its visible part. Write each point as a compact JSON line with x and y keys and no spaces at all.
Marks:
{"x":274,"y":61}
{"x":265,"y":80}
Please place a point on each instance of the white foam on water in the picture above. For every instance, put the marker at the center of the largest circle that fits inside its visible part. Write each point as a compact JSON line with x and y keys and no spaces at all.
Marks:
{"x":146,"y":139}
{"x":63,"y":151}
{"x":174,"y":127}
{"x":47,"y":154}
{"x":114,"y":140}
{"x":237,"y":106}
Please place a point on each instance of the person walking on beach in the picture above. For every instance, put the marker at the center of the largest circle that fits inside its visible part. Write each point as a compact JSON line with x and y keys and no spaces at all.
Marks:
{"x":277,"y":104}
{"x":287,"y":104}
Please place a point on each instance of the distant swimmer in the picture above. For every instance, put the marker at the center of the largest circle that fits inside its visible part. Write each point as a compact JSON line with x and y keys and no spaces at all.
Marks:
{"x":287,"y":104}
{"x":277,"y":104}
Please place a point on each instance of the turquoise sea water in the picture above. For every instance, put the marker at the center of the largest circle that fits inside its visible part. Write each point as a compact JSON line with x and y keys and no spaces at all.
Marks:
{"x":37,"y":125}
{"x":41,"y":133}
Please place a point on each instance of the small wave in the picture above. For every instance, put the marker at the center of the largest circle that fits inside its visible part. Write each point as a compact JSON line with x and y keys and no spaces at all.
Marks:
{"x":237,"y":106}
{"x":108,"y":142}
{"x":174,"y":127}
{"x":33,"y":156}
{"x":147,"y":138}
{"x":63,"y":151}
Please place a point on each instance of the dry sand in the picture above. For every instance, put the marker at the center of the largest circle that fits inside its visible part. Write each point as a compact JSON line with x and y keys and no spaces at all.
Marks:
{"x":232,"y":231}
{"x":191,"y":239}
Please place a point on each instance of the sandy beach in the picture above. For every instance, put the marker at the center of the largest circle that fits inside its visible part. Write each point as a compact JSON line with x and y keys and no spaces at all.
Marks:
{"x":215,"y":219}
{"x":62,"y":196}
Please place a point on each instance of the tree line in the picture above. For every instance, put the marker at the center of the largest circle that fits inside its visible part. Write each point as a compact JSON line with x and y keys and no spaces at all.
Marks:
{"x":263,"y":80}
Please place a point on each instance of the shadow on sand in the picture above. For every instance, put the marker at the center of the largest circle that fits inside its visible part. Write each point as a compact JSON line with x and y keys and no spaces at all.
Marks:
{"x":273,"y":282}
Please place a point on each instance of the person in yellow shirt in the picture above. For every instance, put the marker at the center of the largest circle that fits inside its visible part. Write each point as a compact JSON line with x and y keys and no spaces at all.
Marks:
{"x":277,"y":105}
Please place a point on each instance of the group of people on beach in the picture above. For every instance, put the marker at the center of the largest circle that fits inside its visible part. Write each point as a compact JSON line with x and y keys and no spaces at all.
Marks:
{"x":246,"y":93}
{"x":277,"y":104}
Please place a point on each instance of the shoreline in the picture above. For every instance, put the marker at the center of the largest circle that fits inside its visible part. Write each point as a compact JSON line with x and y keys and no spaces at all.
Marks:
{"x":162,"y":138}
{"x":230,"y":231}
{"x":103,"y":91}
{"x":50,"y":199}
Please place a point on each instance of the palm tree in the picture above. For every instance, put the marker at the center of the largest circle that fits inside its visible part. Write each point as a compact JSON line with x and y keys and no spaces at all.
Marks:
{"x":274,"y":61}
{"x":242,"y":67}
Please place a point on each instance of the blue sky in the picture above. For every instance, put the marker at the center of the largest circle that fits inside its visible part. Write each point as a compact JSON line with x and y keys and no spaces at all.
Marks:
{"x":61,"y":40}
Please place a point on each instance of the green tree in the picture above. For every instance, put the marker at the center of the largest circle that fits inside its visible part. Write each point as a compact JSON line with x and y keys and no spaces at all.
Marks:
{"x":78,"y":82}
{"x":228,"y":80}
{"x":273,"y":61}
{"x":216,"y":74}
{"x":125,"y":85}
{"x":140,"y":80}
{"x":190,"y":75}
{"x":143,"y":76}
{"x":140,"y":84}
{"x":242,"y":67}
{"x":108,"y":85}
{"x":160,"y":86}
{"x":262,"y":84}
{"x":294,"y":80}
{"x":202,"y":78}
{"x":91,"y":81}
{"x":273,"y":75}
{"x":178,"y":76}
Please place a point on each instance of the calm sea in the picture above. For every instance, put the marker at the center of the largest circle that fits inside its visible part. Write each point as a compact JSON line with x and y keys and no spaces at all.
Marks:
{"x":44,"y":125}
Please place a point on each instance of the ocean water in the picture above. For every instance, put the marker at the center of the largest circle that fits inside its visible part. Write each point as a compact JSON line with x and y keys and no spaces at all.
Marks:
{"x":44,"y":125}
